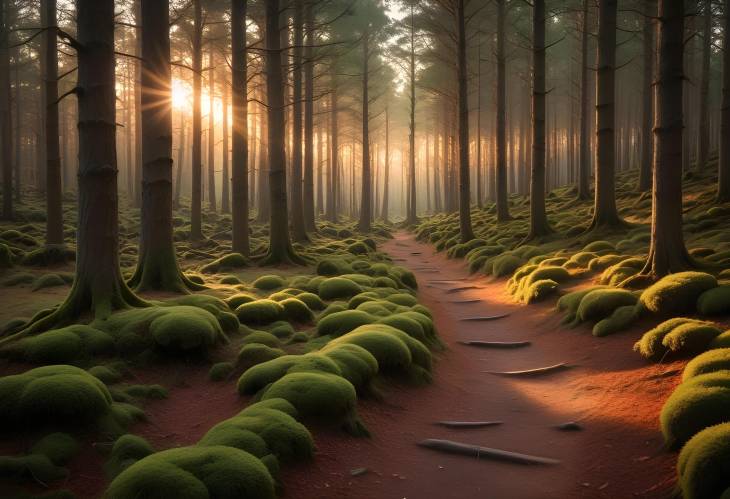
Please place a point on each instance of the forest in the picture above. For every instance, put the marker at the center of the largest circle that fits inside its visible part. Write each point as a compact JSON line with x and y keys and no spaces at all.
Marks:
{"x":329,"y":249}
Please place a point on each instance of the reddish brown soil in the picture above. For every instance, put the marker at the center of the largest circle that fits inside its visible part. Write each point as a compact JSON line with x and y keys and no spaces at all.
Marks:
{"x":612,"y":392}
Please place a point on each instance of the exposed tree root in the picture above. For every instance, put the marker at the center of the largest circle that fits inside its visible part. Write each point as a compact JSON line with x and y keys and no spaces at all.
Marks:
{"x":484,"y":318}
{"x":496,"y":344}
{"x":152,"y":274}
{"x":531,"y":372}
{"x":286,"y":257}
{"x":479,"y":452}
{"x":462,"y":288}
{"x":468,"y":424}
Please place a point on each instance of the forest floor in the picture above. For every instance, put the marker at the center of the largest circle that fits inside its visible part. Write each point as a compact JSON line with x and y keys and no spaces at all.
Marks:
{"x":613,"y":395}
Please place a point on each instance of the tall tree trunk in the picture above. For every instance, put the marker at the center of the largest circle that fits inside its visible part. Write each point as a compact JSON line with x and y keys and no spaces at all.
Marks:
{"x":479,"y":134}
{"x":157,"y":267}
{"x":333,"y":177}
{"x":239,"y":169}
{"x":225,"y":173}
{"x":320,"y":165}
{"x":427,"y":174}
{"x":180,"y":162}
{"x":647,"y":132}
{"x":438,"y":159}
{"x":308,"y":187}
{"x":703,"y":142}
{"x":667,"y":253}
{"x":212,"y":197}
{"x":465,"y":228}
{"x":138,"y":104}
{"x":411,"y":216}
{"x":196,"y":232}
{"x":723,"y":180}
{"x":501,"y":170}
{"x":5,"y":117}
{"x":604,"y":210}
{"x":280,"y":248}
{"x":297,"y":204}
{"x":54,"y":210}
{"x":538,"y":217}
{"x":584,"y":160}
{"x":365,"y":197}
{"x":264,"y":205}
{"x":386,"y":173}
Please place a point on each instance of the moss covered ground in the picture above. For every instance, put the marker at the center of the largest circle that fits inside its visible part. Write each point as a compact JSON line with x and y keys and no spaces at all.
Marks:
{"x":305,"y":342}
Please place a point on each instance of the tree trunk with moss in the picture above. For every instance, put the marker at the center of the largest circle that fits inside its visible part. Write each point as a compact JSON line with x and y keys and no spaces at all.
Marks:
{"x":239,"y":170}
{"x":501,"y":169}
{"x":647,"y":89}
{"x":465,"y":227}
{"x":5,"y":117}
{"x":54,"y":210}
{"x":723,"y":174}
{"x":668,"y":253}
{"x":157,"y":267}
{"x":539,"y":225}
{"x":280,"y":248}
{"x":605,"y":214}
{"x":297,"y":209}
{"x":196,"y":231}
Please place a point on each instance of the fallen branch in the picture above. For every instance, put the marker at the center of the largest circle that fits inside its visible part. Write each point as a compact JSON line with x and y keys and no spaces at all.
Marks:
{"x":531,"y":372}
{"x":496,"y":344}
{"x":485,"y":318}
{"x":484,"y":452}
{"x":468,"y":424}
{"x":462,"y":288}
{"x":462,"y":302}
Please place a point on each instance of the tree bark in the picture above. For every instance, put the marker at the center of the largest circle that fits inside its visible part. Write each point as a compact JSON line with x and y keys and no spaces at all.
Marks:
{"x":280,"y":248}
{"x":138,"y":104}
{"x":465,"y":227}
{"x":539,"y":225}
{"x":196,"y":232}
{"x":157,"y":267}
{"x":386,"y":173}
{"x":332,"y":178}
{"x":584,"y":161}
{"x":703,"y":142}
{"x":297,"y":209}
{"x":180,"y":162}
{"x":501,"y":170}
{"x":308,"y":187}
{"x":668,"y":253}
{"x":225,"y":173}
{"x":723,"y":178}
{"x":212,"y":196}
{"x":5,"y":117}
{"x":411,"y":216}
{"x":647,"y":132}
{"x":365,"y":197}
{"x":239,"y":169}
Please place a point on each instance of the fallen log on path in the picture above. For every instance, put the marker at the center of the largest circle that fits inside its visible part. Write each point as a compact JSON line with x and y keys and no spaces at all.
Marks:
{"x":531,"y":372}
{"x":468,"y":424}
{"x":484,"y":452}
{"x":495,"y":344}
{"x":484,"y":318}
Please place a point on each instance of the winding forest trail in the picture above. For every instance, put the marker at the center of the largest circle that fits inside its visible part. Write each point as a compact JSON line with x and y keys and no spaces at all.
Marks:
{"x":612,"y":393}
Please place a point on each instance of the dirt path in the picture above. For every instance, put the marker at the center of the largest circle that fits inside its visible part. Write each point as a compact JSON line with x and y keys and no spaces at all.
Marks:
{"x":613,"y":394}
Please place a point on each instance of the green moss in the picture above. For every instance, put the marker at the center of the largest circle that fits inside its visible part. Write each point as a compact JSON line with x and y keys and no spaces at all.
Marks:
{"x":600,"y":303}
{"x":358,"y":248}
{"x":651,"y":344}
{"x":59,"y":448}
{"x":715,"y":301}
{"x":321,"y":397}
{"x":220,"y":371}
{"x":48,"y":281}
{"x":504,"y":265}
{"x":403,"y":299}
{"x":269,"y":282}
{"x":256,"y":353}
{"x":239,"y":299}
{"x":358,"y":366}
{"x":677,"y":293}
{"x":708,"y":362}
{"x":17,"y":279}
{"x":225,"y":263}
{"x":59,"y":395}
{"x":262,"y":337}
{"x":690,"y":338}
{"x":107,"y":374}
{"x":389,"y":349}
{"x":699,"y":403}
{"x":569,"y":303}
{"x":32,"y":468}
{"x":332,"y":267}
{"x":338,"y":287}
{"x":599,"y":246}
{"x":127,"y":450}
{"x":186,"y":329}
{"x":339,"y":323}
{"x":6,"y":257}
{"x":407,"y":324}
{"x":296,"y":310}
{"x":260,"y":312}
{"x":721,"y":341}
{"x":65,"y":345}
{"x":48,"y":255}
{"x":620,"y":319}
{"x":193,"y":473}
{"x":539,"y":290}
{"x":261,"y":375}
{"x":157,"y":392}
{"x":702,"y":464}
{"x":312,"y":301}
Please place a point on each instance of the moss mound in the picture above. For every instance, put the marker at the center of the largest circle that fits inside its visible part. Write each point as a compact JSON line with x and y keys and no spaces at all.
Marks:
{"x":31,"y":468}
{"x":700,"y":402}
{"x":702,"y":464}
{"x":58,"y":395}
{"x":239,"y":299}
{"x":321,"y":397}
{"x":690,"y":338}
{"x":195,"y":472}
{"x":127,"y":450}
{"x":383,"y":342}
{"x":651,"y":345}
{"x":715,"y":301}
{"x":261,"y":375}
{"x":338,"y":287}
{"x":260,"y":312}
{"x":186,"y":329}
{"x":296,"y":310}
{"x":357,"y":365}
{"x":65,"y":345}
{"x":269,"y":282}
{"x":707,"y":362}
{"x":339,"y":323}
{"x":620,"y":319}
{"x":600,"y":303}
{"x":256,"y":353}
{"x":312,"y":301}
{"x":677,"y":293}
{"x":220,"y":371}
{"x":506,"y":264}
{"x":48,"y":281}
{"x":59,"y":448}
{"x":225,"y":263}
